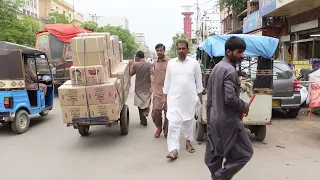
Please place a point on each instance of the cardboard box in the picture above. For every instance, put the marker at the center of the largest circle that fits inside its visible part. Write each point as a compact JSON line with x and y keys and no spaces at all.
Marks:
{"x":103,"y":93}
{"x":90,"y":59}
{"x":110,"y":111}
{"x":95,"y":54}
{"x":116,"y":49}
{"x":73,"y":112}
{"x":121,"y":51}
{"x":107,"y":37}
{"x":124,"y":89}
{"x":122,"y":71}
{"x":88,"y":75}
{"x":72,"y":95}
{"x":89,"y":44}
{"x":112,"y":63}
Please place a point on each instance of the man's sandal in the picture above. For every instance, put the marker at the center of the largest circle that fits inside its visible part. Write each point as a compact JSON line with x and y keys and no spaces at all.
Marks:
{"x":190,"y":148}
{"x":172,"y":156}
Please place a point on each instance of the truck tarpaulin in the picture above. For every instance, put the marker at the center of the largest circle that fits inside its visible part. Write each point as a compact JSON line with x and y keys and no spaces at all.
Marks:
{"x":64,"y":32}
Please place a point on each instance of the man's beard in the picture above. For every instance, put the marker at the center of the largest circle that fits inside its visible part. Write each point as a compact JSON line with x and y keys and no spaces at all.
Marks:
{"x":235,"y":59}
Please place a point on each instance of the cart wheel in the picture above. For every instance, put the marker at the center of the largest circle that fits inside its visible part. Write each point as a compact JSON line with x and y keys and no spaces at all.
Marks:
{"x":21,"y":122}
{"x":260,"y":133}
{"x":84,"y":130}
{"x":200,"y":131}
{"x":124,"y":120}
{"x":45,"y":112}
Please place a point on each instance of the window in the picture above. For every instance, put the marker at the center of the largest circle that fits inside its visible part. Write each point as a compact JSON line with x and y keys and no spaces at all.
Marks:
{"x":280,"y":70}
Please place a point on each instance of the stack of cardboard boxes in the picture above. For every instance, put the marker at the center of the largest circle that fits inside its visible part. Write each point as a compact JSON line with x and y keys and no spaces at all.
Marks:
{"x":100,"y":81}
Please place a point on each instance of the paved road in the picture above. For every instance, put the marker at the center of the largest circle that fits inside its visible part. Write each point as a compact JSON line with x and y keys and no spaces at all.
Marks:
{"x":51,"y":151}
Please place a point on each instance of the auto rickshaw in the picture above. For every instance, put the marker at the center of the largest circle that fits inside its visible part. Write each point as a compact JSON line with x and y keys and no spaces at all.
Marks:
{"x":16,"y":101}
{"x":262,"y":47}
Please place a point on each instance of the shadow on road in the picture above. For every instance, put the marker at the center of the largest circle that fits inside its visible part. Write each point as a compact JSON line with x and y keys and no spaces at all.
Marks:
{"x":34,"y":122}
{"x":100,"y":137}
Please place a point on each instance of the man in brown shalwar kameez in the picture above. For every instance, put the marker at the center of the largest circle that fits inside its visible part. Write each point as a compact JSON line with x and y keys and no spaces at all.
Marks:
{"x":31,"y":77}
{"x":160,"y":67}
{"x":143,"y":91}
{"x":227,"y":137}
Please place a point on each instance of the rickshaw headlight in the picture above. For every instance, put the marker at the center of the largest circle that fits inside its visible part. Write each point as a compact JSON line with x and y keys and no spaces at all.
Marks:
{"x":8,"y":102}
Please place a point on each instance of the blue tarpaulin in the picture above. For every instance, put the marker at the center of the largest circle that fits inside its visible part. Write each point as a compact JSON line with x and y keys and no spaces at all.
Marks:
{"x":257,"y":45}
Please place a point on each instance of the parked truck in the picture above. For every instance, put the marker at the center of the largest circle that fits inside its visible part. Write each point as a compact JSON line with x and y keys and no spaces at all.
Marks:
{"x":54,"y":40}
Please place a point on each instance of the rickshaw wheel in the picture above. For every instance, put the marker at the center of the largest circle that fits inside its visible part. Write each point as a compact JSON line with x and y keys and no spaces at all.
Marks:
{"x":21,"y":122}
{"x":124,"y":120}
{"x":260,"y":132}
{"x":84,"y":130}
{"x":45,"y":112}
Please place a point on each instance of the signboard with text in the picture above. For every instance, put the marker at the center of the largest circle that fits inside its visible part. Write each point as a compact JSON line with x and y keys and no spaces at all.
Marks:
{"x":266,"y":6}
{"x":252,"y":22}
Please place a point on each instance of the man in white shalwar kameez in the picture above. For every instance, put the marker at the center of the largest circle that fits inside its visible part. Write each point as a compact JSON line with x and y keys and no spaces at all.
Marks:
{"x":182,"y":91}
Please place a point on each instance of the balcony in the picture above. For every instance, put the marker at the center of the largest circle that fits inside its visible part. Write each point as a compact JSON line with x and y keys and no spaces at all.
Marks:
{"x":294,"y":7}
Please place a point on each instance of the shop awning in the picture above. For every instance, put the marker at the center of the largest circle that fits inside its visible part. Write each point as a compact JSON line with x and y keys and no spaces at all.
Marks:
{"x":306,"y":40}
{"x":293,"y":7}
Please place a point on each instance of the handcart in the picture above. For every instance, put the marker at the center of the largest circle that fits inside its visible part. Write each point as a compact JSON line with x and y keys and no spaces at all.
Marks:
{"x":119,"y":106}
{"x":261,"y":97}
{"x":83,"y":124}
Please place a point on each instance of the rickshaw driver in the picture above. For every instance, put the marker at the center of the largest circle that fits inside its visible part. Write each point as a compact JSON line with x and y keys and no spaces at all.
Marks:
{"x":31,"y":77}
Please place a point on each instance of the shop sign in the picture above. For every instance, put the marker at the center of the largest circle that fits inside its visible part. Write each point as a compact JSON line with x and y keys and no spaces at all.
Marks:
{"x":298,"y":65}
{"x":266,"y":7}
{"x":252,"y":22}
{"x":281,"y":3}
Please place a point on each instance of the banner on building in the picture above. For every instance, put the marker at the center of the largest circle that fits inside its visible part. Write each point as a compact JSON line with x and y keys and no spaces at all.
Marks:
{"x":266,"y":7}
{"x":252,"y":22}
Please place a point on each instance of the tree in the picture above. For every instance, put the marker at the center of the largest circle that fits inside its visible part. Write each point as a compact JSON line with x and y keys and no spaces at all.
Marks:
{"x":31,"y":26}
{"x":14,"y":30}
{"x":58,"y":18}
{"x":129,"y":44}
{"x":89,"y":25}
{"x":172,"y":53}
{"x":237,"y":6}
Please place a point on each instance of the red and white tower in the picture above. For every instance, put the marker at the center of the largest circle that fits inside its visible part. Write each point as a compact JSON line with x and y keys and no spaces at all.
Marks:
{"x":187,"y":21}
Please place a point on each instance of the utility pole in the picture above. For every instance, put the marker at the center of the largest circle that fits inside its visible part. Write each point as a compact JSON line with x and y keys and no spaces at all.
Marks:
{"x":206,"y":25}
{"x":197,"y":23}
{"x":74,"y":12}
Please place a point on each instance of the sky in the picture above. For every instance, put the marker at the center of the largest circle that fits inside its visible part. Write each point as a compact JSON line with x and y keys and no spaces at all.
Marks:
{"x":159,"y":20}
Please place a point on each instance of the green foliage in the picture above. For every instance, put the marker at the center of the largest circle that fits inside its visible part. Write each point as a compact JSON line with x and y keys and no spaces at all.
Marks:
{"x":129,"y":44}
{"x":15,"y":30}
{"x":172,"y":53}
{"x":31,"y":26}
{"x":237,"y":5}
{"x":90,"y":25}
{"x":58,"y":18}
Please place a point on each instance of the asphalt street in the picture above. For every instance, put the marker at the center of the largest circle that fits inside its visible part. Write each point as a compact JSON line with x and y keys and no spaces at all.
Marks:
{"x":51,"y":151}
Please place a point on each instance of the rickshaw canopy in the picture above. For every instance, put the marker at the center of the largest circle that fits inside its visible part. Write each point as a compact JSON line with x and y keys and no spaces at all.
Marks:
{"x":11,"y":60}
{"x":257,"y":45}
{"x":10,"y":47}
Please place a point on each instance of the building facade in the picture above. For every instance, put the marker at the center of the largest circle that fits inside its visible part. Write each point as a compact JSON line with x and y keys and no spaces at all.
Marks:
{"x":60,"y":6}
{"x":31,"y":8}
{"x":141,"y":41}
{"x":113,"y":21}
{"x":300,"y":38}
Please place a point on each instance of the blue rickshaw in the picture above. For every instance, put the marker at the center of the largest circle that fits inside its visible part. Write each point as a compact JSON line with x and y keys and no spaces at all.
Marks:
{"x":16,"y":101}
